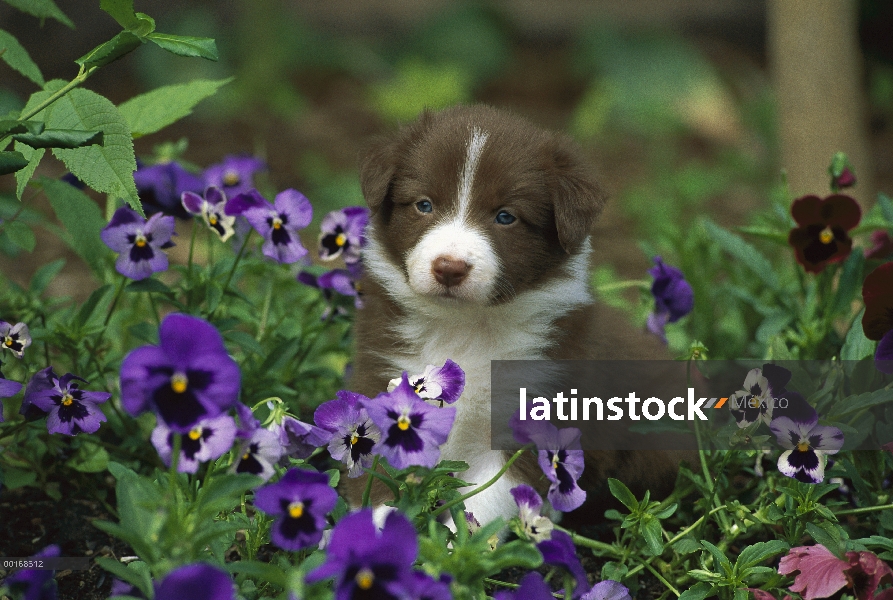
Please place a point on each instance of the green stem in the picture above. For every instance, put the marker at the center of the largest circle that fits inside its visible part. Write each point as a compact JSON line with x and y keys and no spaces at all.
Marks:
{"x":232,"y":271}
{"x":867,"y":509}
{"x":661,"y":579}
{"x":154,"y":308}
{"x":368,"y":491}
{"x":586,"y":542}
{"x":622,"y":285}
{"x":189,"y":263}
{"x":483,"y":487}
{"x":108,"y":317}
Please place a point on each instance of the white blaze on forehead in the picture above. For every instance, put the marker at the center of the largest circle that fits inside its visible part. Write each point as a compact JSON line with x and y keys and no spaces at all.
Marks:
{"x":472,"y":157}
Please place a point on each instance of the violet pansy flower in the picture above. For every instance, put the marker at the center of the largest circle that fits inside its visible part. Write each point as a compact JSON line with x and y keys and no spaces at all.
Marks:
{"x":35,"y":584}
{"x":301,"y":500}
{"x":806,"y":444}
{"x":298,"y":439}
{"x":139,"y":242}
{"x":278,"y":223}
{"x":187,"y":378}
{"x":196,"y":582}
{"x":210,"y":208}
{"x":15,"y":338}
{"x":533,"y":587}
{"x":608,"y":590}
{"x":160,"y":186}
{"x":209,"y":439}
{"x":536,"y":526}
{"x":353,"y":434}
{"x":673,"y":297}
{"x":560,"y":458}
{"x":341,"y":234}
{"x":444,"y":384}
{"x":367,"y":562}
{"x":259,"y":453}
{"x":235,"y":175}
{"x":412,"y":430}
{"x":70,"y":410}
{"x":559,"y":551}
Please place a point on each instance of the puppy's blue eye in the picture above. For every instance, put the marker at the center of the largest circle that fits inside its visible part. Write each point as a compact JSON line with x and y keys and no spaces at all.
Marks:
{"x":424,"y":206}
{"x":505,"y":218}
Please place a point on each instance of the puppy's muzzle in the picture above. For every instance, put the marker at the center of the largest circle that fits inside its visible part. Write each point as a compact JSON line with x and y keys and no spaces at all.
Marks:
{"x":449,"y":271}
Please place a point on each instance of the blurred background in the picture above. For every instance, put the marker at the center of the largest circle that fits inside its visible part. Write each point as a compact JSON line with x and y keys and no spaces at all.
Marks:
{"x":686,"y":107}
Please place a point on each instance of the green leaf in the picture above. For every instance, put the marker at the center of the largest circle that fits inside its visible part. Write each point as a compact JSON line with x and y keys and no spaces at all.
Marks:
{"x":110,"y":51}
{"x":136,"y":573}
{"x":152,"y":111}
{"x":686,"y":546}
{"x":148,"y":285}
{"x":767,"y":233}
{"x":698,"y":591}
{"x":185,"y":45}
{"x":60,"y":138}
{"x":108,"y":168}
{"x":244,"y":341}
{"x":849,"y":283}
{"x":263,"y":571}
{"x":653,"y":535}
{"x":852,"y":404}
{"x":21,"y":235}
{"x":41,"y":9}
{"x":11,"y":161}
{"x":857,"y":346}
{"x":886,"y":207}
{"x":17,"y":57}
{"x":757,"y":553}
{"x":89,"y":458}
{"x":622,"y":493}
{"x":828,"y":535}
{"x":15,"y":478}
{"x":223,"y":492}
{"x":121,"y":11}
{"x":82,"y":219}
{"x":720,"y":559}
{"x":86,"y":310}
{"x":23,"y":176}
{"x":749,"y":256}
{"x":9,"y":126}
{"x":44,"y":276}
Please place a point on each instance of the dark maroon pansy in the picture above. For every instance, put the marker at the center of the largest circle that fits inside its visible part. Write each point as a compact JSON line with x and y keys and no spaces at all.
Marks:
{"x":821,"y":237}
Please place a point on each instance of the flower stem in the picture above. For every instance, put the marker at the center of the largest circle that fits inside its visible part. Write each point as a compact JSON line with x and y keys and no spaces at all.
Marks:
{"x":229,"y":276}
{"x":368,"y":491}
{"x":483,"y":487}
{"x":189,"y":263}
{"x":662,"y":579}
{"x":866,"y":509}
{"x":622,"y":285}
{"x":108,"y":317}
{"x":586,"y":542}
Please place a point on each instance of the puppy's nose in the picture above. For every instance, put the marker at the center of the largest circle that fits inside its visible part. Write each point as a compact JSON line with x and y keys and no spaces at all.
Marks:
{"x":449,"y":271}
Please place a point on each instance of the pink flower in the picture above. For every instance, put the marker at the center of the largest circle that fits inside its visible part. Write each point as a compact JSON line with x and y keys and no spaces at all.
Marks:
{"x":822,"y":574}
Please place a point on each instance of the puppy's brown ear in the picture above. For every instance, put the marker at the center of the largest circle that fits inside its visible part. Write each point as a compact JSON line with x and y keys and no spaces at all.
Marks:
{"x":577,"y":198}
{"x":377,"y":170}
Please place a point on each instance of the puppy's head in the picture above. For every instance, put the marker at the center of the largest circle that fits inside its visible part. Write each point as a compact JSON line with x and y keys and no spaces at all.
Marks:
{"x":474,"y":204}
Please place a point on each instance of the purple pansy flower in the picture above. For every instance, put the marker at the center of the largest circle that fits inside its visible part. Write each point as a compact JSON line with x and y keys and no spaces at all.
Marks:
{"x":673,"y":296}
{"x":160,"y":187}
{"x":259,"y":453}
{"x":210,"y":208}
{"x":196,"y":582}
{"x":536,"y":526}
{"x":765,"y":396}
{"x":559,"y":551}
{"x":70,"y":409}
{"x":139,"y":242}
{"x":278,"y":223}
{"x":343,"y":281}
{"x":299,"y":439}
{"x":301,"y":500}
{"x":209,"y":439}
{"x":424,"y":587}
{"x":367,"y":562}
{"x":187,"y":378}
{"x":560,"y":458}
{"x":608,"y":590}
{"x":341,"y":234}
{"x":443,"y":384}
{"x":354,"y":435}
{"x":36,"y":584}
{"x":235,"y":175}
{"x":7,"y":390}
{"x":806,"y":444}
{"x":412,"y":430}
{"x":532,"y":587}
{"x":15,"y":338}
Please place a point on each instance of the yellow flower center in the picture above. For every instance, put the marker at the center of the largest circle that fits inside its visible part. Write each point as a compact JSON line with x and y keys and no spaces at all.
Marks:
{"x":554,"y":461}
{"x":212,"y":220}
{"x":67,"y":399}
{"x":140,"y":241}
{"x":364,"y":579}
{"x":340,"y":240}
{"x":8,"y":342}
{"x":295,"y":510}
{"x":179,"y":382}
{"x":354,"y":438}
{"x":803,"y":446}
{"x":195,"y":433}
{"x":246,"y":456}
{"x":231,"y":178}
{"x":826,"y":236}
{"x":403,"y":422}
{"x":277,"y":223}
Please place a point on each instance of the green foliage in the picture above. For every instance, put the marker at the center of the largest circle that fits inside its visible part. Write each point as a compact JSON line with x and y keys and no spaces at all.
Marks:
{"x":42,"y":9}
{"x":17,"y":57}
{"x":418,"y":85}
{"x":82,"y":220}
{"x":155,"y":110}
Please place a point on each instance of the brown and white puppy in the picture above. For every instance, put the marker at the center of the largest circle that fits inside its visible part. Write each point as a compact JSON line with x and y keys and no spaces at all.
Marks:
{"x":478,"y":250}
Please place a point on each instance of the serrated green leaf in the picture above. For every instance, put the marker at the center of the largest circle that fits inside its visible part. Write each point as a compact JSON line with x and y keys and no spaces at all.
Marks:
{"x":41,"y":9}
{"x":60,"y":138}
{"x":653,"y":535}
{"x":757,"y":553}
{"x":23,"y":176}
{"x":622,"y":493}
{"x":182,"y":45}
{"x":12,"y":161}
{"x":718,"y":556}
{"x":744,"y":252}
{"x":82,"y":219}
{"x":686,"y":546}
{"x":826,"y":534}
{"x":699,"y":591}
{"x":152,"y":111}
{"x":17,"y":57}
{"x":121,"y":11}
{"x":9,"y":126}
{"x":20,"y":235}
{"x":120,"y":45}
{"x":108,"y":168}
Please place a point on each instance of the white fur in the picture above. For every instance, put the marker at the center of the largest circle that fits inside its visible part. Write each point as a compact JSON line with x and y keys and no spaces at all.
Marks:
{"x":473,"y":152}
